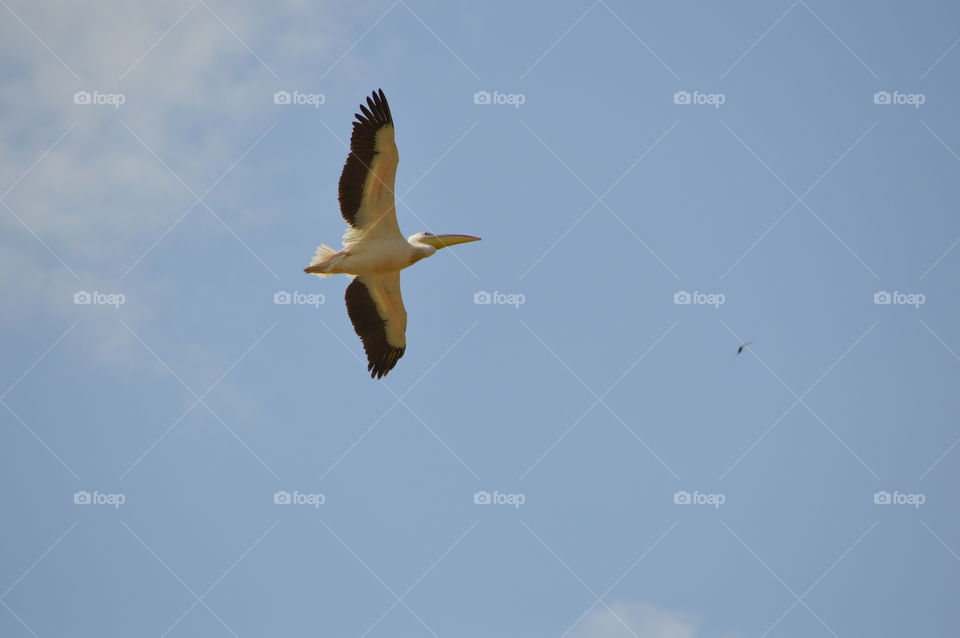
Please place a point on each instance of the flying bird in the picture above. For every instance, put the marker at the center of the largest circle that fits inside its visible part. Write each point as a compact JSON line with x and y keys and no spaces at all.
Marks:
{"x":742,"y":348}
{"x":374,"y":251}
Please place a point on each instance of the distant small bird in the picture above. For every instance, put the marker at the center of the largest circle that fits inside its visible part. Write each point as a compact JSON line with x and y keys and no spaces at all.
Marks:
{"x":743,"y":347}
{"x":374,"y":252}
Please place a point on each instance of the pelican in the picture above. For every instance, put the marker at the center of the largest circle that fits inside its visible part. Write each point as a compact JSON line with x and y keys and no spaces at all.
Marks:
{"x":374,"y":251}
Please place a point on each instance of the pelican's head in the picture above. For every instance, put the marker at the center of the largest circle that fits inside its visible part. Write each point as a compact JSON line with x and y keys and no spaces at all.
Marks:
{"x":440,"y":241}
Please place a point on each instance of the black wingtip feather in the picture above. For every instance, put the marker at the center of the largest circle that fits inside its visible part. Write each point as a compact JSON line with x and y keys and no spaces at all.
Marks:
{"x":362,"y":152}
{"x":382,"y":356}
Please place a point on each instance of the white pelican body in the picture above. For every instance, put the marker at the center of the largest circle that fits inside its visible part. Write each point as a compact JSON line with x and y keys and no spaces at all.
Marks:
{"x":372,"y":256}
{"x":374,"y":251}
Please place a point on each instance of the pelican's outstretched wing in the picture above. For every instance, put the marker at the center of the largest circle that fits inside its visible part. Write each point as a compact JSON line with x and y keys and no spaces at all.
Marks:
{"x":367,"y":180}
{"x":379,"y":318}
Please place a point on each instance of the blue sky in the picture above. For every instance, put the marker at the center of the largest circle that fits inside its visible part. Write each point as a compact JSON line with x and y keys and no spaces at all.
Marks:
{"x":789,"y":169}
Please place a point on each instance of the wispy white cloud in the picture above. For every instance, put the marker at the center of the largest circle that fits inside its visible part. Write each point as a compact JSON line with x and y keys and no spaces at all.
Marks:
{"x":197,"y":80}
{"x":629,"y":619}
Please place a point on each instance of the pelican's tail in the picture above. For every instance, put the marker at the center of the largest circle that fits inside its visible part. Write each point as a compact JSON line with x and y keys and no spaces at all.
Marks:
{"x":317,"y":264}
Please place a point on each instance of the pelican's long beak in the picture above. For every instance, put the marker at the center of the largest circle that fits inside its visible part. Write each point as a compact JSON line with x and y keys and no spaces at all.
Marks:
{"x":442,"y":241}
